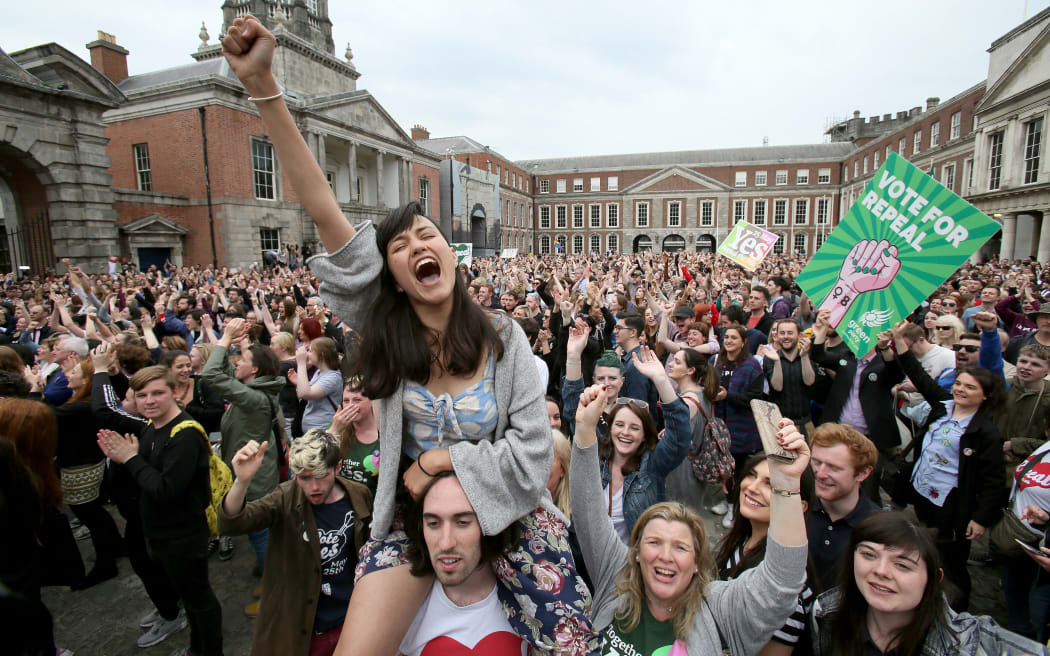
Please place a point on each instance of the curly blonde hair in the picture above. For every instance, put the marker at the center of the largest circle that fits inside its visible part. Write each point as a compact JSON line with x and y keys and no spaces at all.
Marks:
{"x":631,"y":587}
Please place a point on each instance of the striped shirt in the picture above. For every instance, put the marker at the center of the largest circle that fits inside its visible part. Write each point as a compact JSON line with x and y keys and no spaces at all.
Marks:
{"x":795,"y":627}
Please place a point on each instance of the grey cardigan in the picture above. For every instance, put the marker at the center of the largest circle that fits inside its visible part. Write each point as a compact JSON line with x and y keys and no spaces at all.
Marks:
{"x":505,"y":477}
{"x":746,"y":611}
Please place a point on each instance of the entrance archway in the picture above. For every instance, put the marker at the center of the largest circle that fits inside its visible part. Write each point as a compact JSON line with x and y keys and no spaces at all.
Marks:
{"x":26,"y":240}
{"x":705,"y":244}
{"x":642,"y":243}
{"x":674,"y":243}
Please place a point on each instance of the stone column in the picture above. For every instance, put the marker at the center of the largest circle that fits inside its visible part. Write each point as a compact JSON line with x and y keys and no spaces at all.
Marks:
{"x":322,"y":154}
{"x":1006,"y":250}
{"x":380,"y":201}
{"x":1043,"y":254}
{"x":351,"y":161}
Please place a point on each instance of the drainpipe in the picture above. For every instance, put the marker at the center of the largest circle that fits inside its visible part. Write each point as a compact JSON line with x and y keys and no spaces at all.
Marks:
{"x":207,"y":189}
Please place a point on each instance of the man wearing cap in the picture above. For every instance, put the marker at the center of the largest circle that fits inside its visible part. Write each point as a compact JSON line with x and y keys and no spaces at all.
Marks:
{"x":635,"y":282}
{"x":1041,"y":334}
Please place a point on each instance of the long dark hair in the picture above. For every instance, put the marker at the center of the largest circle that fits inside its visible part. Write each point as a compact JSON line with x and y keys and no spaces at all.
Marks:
{"x":891,"y":529}
{"x":703,"y":372}
{"x":745,"y":348}
{"x":991,"y":385}
{"x":740,"y":533}
{"x":649,"y":436}
{"x":394,"y":343}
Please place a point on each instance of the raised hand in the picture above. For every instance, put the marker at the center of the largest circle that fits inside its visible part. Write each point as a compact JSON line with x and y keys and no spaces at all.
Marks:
{"x":247,"y":460}
{"x":646,"y":362}
{"x":786,"y":475}
{"x":577,"y":341}
{"x":249,"y":47}
{"x":768,"y":352}
{"x":118,"y":448}
{"x":985,"y":321}
{"x":592,"y":404}
{"x":870,"y":266}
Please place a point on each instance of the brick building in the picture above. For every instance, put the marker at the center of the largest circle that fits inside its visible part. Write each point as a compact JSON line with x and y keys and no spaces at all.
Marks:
{"x":195,"y":176}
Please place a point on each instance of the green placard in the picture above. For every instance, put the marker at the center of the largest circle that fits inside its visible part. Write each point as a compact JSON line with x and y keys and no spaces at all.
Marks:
{"x":902,"y":238}
{"x":464,"y":253}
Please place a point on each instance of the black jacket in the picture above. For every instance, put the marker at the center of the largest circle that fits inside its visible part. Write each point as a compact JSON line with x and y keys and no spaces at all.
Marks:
{"x":982,"y":484}
{"x":876,"y":397}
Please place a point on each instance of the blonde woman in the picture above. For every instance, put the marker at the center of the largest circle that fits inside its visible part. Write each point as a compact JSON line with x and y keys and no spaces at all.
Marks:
{"x":283,"y":345}
{"x":948,"y":328}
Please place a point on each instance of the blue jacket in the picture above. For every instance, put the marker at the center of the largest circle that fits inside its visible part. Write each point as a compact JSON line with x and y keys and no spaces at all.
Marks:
{"x":647,"y":486}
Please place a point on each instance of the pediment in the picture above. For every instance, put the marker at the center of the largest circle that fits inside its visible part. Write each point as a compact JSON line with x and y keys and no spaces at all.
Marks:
{"x":676,"y":178}
{"x":1028,"y":70}
{"x":153,"y":224}
{"x":56,"y":67}
{"x":361,"y":111}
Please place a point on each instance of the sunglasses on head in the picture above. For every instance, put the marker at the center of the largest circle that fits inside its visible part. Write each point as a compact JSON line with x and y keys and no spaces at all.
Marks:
{"x":967,"y":347}
{"x":623,"y":400}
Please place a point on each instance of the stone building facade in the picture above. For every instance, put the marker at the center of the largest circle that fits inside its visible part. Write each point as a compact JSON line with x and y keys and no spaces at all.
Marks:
{"x":55,"y":188}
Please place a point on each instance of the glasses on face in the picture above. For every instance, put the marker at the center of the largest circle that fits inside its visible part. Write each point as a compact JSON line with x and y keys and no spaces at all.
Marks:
{"x":624,"y":400}
{"x":949,"y":304}
{"x":944,"y":327}
{"x":966,"y":347}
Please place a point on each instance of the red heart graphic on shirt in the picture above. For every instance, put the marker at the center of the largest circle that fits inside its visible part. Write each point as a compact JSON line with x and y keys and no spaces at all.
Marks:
{"x":499,"y":643}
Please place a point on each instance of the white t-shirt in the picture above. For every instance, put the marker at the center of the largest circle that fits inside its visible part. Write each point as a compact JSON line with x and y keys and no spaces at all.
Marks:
{"x":441,"y":628}
{"x":616,"y":513}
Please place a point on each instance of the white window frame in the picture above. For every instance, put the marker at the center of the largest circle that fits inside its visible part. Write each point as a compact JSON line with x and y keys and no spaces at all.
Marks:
{"x":856,"y":167}
{"x":612,"y":215}
{"x":935,"y":134}
{"x":955,"y":127}
{"x":595,"y":216}
{"x":596,"y":184}
{"x":560,"y":184}
{"x":143,"y":173}
{"x":948,"y":176}
{"x":823,"y":176}
{"x":577,"y":217}
{"x":577,"y":185}
{"x":889,"y":149}
{"x":577,"y":244}
{"x":875,"y":160}
{"x":545,"y":186}
{"x":261,"y":177}
{"x":781,"y":177}
{"x":760,"y":178}
{"x":866,"y":160}
{"x":1033,"y":144}
{"x":805,"y":243}
{"x":545,"y":221}
{"x":739,"y":211}
{"x":270,"y":239}
{"x":707,"y":213}
{"x":804,"y":203}
{"x":902,"y":146}
{"x":916,"y":146}
{"x":613,"y":183}
{"x":612,"y":243}
{"x":823,"y":205}
{"x":674,"y":214}
{"x":802,"y":177}
{"x":564,"y":242}
{"x":777,"y":204}
{"x":638,"y":206}
{"x":561,"y":217}
{"x":545,"y":244}
{"x":741,"y":179}
{"x":596,"y":243}
{"x":995,"y":161}
{"x":778,"y":247}
{"x":968,"y":174}
{"x":759,"y":218}
{"x":424,"y":194}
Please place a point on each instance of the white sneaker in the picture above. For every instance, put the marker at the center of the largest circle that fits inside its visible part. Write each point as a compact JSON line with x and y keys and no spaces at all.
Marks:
{"x":160,"y":631}
{"x":721,"y":508}
{"x":149,"y":620}
{"x":727,"y":521}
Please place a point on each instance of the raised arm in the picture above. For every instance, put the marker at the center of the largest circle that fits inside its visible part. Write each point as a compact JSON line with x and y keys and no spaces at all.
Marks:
{"x":249,"y":47}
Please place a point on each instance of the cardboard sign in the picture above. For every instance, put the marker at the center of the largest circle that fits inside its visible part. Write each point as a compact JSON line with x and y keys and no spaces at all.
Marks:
{"x":902,"y":238}
{"x":747,"y":245}
{"x":464,"y":253}
{"x":508,"y":253}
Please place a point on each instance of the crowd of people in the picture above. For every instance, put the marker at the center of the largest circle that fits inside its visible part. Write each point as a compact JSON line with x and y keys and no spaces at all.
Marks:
{"x":515,"y":455}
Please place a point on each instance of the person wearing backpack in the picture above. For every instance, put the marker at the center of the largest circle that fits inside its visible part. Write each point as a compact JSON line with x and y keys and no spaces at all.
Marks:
{"x":250,"y":390}
{"x":170,"y":464}
{"x":710,"y":463}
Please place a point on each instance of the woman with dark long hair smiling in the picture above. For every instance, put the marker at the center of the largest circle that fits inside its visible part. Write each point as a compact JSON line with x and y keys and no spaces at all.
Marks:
{"x":890,"y":601}
{"x":455,"y":388}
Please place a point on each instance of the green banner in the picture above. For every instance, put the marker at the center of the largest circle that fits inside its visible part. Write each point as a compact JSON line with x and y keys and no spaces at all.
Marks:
{"x":905,"y":235}
{"x":464,"y":253}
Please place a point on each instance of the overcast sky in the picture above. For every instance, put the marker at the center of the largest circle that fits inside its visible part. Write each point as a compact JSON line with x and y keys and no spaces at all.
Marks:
{"x":554,"y":78}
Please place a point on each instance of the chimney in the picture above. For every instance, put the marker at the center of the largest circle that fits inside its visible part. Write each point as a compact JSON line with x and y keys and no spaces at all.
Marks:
{"x":932,"y":102}
{"x":108,"y":58}
{"x":419,"y":132}
{"x":915,"y":111}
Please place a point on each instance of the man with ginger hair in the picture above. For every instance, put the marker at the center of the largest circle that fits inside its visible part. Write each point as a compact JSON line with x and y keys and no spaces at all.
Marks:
{"x":842,"y":459}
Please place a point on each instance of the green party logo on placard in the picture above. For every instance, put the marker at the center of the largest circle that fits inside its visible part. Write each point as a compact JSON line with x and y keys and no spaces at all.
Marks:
{"x":464,"y":253}
{"x":905,"y":235}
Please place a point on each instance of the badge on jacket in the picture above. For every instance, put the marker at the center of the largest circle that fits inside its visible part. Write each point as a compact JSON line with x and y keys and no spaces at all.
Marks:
{"x":873,"y":377}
